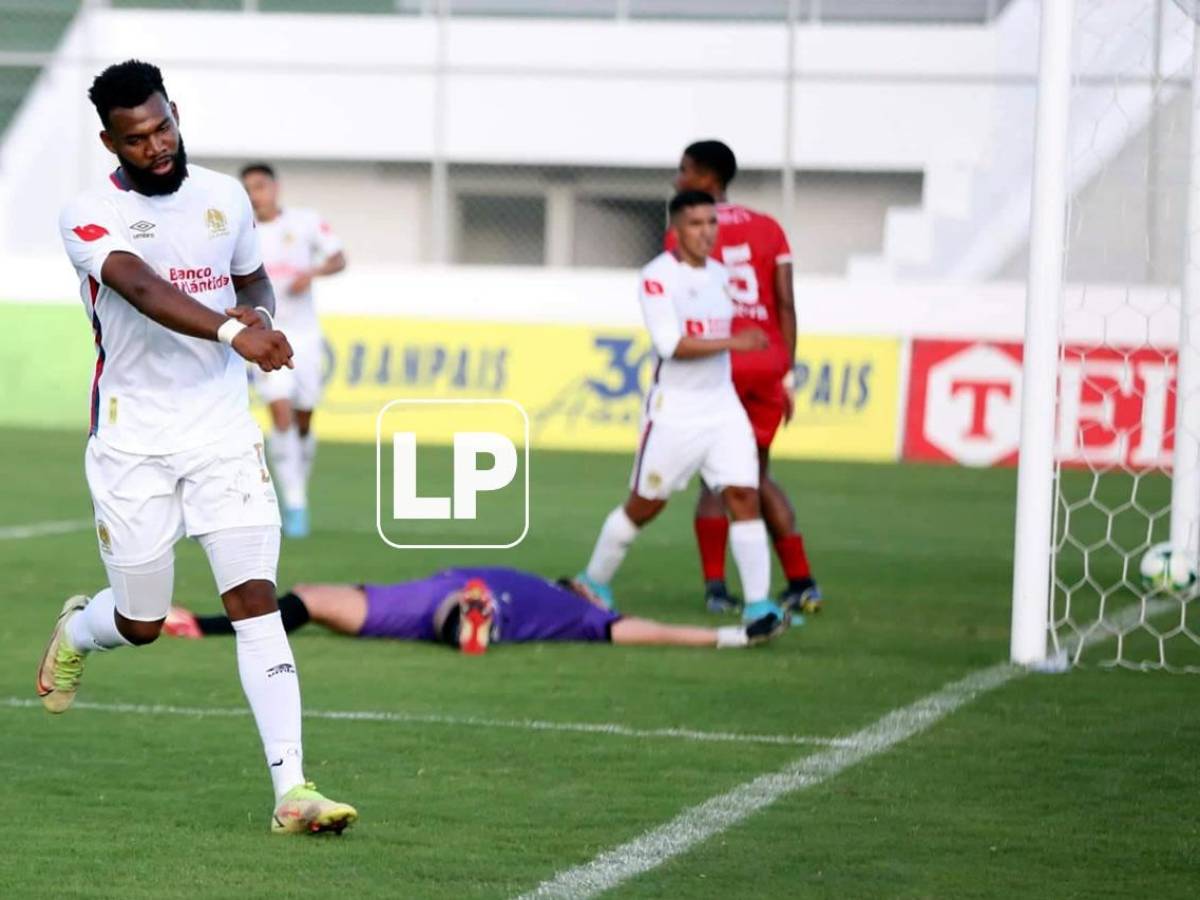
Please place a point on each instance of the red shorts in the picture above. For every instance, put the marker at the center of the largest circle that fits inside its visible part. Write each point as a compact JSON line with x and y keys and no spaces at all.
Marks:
{"x":765,"y":400}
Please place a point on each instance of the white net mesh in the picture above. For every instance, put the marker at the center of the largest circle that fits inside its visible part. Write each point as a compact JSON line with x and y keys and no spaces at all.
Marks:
{"x":1127,"y":246}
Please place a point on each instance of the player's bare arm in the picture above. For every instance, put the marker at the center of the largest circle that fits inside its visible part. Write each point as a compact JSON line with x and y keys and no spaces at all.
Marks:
{"x":333,"y":264}
{"x":158,"y":299}
{"x":785,"y":306}
{"x":254,"y":291}
{"x":692,"y":347}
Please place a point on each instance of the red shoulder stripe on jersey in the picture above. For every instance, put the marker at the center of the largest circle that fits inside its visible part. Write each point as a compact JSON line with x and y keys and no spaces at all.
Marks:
{"x":118,"y":179}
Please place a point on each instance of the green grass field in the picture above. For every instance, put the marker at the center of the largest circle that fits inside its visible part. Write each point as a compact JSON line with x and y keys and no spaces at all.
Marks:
{"x":1081,"y":785}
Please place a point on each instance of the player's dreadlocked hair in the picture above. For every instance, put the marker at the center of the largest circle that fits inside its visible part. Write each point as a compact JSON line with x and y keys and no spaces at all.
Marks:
{"x":125,"y":85}
{"x":716,"y":157}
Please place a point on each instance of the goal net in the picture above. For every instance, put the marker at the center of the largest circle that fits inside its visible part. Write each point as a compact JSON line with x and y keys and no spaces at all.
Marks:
{"x":1127,"y":495}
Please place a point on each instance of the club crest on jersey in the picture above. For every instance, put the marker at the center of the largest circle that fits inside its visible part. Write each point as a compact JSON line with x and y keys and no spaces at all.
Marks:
{"x":104,"y":536}
{"x":217,"y":224}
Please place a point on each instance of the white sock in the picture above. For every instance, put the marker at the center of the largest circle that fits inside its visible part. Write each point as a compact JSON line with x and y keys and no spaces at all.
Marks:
{"x":308,"y":453}
{"x":283,"y":451}
{"x":615,"y":537}
{"x":729,"y":636}
{"x":752,"y":553}
{"x":96,"y":627}
{"x":268,"y":673}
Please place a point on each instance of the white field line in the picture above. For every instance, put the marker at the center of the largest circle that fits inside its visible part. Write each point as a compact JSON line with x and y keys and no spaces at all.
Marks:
{"x":698,"y":823}
{"x":602,"y":728}
{"x":40,"y":529}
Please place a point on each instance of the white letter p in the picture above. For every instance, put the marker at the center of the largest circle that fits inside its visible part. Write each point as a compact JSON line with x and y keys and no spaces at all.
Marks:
{"x":469,"y":480}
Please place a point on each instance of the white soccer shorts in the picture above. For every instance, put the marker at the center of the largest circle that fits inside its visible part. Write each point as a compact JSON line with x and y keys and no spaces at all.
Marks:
{"x":301,"y":385}
{"x":721,"y":449}
{"x":145,"y":504}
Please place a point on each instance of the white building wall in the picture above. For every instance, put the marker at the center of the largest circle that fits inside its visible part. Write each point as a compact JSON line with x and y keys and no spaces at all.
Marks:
{"x":541,"y":92}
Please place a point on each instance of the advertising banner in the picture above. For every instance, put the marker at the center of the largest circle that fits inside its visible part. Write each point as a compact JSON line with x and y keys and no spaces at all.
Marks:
{"x":1116,"y":406}
{"x":582,"y":386}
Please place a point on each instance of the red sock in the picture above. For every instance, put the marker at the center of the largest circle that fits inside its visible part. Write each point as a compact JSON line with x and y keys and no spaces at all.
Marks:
{"x":712,"y":534}
{"x":792,"y":557}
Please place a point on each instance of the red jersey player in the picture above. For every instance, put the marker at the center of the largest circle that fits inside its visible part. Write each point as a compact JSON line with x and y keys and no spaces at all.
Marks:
{"x":755,"y":250}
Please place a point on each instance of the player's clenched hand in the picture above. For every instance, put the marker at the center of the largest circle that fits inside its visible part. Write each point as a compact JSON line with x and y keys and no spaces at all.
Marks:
{"x":269,"y":349}
{"x":750,"y":339}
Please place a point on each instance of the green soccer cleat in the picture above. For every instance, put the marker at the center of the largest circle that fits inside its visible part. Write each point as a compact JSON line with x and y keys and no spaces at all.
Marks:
{"x":303,"y":810}
{"x":61,"y":668}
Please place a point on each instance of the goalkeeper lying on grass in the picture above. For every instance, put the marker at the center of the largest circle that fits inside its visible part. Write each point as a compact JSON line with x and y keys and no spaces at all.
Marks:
{"x":470,"y":608}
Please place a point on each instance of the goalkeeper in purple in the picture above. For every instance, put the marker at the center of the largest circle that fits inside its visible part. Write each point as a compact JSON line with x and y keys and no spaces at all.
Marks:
{"x":472,"y":608}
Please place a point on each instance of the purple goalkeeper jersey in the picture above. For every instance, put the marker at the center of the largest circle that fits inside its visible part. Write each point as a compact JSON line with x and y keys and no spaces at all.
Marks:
{"x":528,"y":608}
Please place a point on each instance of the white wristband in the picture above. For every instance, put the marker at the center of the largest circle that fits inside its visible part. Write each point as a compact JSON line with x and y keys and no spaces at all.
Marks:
{"x":229,"y":330}
{"x":270,"y":319}
{"x":731,"y":636}
{"x":789,"y":380}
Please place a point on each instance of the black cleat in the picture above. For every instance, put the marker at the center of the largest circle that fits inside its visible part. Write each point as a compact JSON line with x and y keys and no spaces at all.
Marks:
{"x":717,"y":598}
{"x":764,"y":628}
{"x":802,"y":596}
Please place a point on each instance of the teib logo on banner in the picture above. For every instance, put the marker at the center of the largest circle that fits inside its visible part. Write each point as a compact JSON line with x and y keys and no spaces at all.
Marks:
{"x":487,"y":470}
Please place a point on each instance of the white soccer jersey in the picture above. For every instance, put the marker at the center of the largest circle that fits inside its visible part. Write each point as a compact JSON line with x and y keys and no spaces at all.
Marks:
{"x":295,"y":241}
{"x":678,"y":300}
{"x":155,"y":391}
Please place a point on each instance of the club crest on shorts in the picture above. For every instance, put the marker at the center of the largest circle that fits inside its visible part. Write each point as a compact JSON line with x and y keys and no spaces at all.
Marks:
{"x":653,"y":481}
{"x":104,"y":537}
{"x":217,"y":224}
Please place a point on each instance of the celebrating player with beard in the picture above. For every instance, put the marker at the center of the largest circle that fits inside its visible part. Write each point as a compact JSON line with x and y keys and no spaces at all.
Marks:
{"x":171,"y":277}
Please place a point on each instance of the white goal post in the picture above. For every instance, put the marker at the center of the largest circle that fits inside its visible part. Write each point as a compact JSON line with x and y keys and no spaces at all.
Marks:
{"x":1083,"y":524}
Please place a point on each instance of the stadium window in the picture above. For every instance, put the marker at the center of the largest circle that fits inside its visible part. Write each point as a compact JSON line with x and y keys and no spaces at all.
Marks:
{"x":498,"y":229}
{"x":618,"y":232}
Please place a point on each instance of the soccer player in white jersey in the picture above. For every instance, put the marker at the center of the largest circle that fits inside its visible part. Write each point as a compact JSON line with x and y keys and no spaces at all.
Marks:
{"x":297,"y":246}
{"x":170,"y":274}
{"x":692,"y":420}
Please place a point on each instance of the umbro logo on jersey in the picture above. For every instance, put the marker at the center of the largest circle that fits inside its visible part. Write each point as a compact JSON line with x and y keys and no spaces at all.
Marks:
{"x":143,"y":229}
{"x":90,"y":232}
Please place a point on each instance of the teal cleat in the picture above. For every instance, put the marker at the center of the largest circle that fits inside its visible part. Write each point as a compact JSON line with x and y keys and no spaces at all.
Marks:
{"x":759,"y":608}
{"x":601,"y":592}
{"x":295,"y":522}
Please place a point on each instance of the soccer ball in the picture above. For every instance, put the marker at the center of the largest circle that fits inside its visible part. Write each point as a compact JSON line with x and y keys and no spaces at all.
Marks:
{"x":1165,"y":570}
